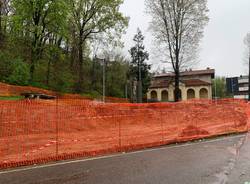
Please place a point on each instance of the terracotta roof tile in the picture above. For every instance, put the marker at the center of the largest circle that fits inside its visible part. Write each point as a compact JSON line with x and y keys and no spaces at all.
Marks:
{"x":190,"y":73}
{"x":195,"y":82}
{"x":165,"y":83}
{"x":160,"y":84}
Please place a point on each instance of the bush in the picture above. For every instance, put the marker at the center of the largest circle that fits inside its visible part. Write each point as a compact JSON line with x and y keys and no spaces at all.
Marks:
{"x":5,"y":66}
{"x":19,"y":74}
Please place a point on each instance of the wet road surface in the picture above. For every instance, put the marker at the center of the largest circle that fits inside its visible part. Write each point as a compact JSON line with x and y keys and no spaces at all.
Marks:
{"x":218,"y":161}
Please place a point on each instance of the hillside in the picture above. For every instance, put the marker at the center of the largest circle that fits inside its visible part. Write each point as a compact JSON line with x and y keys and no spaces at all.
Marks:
{"x":7,"y":90}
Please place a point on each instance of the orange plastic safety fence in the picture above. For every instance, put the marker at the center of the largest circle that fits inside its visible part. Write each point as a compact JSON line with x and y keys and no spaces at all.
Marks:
{"x":33,"y":132}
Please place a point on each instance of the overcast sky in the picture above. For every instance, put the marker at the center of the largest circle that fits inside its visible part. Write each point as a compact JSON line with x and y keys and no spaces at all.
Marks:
{"x":222,"y":47}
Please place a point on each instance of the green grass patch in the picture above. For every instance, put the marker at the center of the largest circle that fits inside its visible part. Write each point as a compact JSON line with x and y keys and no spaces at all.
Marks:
{"x":11,"y":97}
{"x":92,"y":94}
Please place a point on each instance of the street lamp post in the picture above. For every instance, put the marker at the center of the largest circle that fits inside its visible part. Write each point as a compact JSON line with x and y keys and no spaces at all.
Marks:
{"x":139,"y":83}
{"x":103,"y":77}
{"x":249,"y":78}
{"x":215,"y":90}
{"x":126,"y":90}
{"x":104,"y":80}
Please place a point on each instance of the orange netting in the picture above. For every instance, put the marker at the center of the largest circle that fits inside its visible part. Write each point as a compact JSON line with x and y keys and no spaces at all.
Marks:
{"x":41,"y":131}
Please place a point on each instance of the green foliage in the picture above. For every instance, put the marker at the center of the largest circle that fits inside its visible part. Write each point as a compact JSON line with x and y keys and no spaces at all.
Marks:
{"x":13,"y":70}
{"x":19,"y":74}
{"x":39,"y":16}
{"x":11,"y":97}
{"x":139,"y":57}
{"x":35,"y":20}
{"x":89,"y":19}
{"x":45,"y":40}
{"x":5,"y":66}
{"x":219,"y":87}
{"x":117,"y":77}
{"x":92,"y":94}
{"x":97,"y":16}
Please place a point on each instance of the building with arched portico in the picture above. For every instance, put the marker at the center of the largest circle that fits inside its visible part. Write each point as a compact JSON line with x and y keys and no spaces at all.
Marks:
{"x":194,"y":84}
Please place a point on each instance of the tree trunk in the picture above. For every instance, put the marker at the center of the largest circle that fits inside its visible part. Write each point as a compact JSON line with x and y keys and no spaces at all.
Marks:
{"x":34,"y":58}
{"x":48,"y":72}
{"x":32,"y":66}
{"x":32,"y":70}
{"x":139,"y":91}
{"x":177,"y":92}
{"x":79,"y":87}
{"x":139,"y":83}
{"x":93,"y":75}
{"x":1,"y":29}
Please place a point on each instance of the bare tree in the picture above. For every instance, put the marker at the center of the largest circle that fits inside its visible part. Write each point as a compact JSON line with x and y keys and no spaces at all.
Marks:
{"x":178,"y":28}
{"x":247,"y":43}
{"x":1,"y":10}
{"x":5,"y":10}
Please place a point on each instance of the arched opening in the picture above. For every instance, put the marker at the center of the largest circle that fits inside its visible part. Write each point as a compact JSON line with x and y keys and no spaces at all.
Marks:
{"x":164,"y":96}
{"x":204,"y":93}
{"x":190,"y":94}
{"x":179,"y":92}
{"x":154,"y":95}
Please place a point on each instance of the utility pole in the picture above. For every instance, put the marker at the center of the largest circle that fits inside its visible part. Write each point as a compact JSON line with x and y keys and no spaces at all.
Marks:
{"x":139,"y":82}
{"x":247,"y":43}
{"x":104,"y":80}
{"x":103,"y":61}
{"x":249,"y":76}
{"x":215,"y":89}
{"x":126,"y":90}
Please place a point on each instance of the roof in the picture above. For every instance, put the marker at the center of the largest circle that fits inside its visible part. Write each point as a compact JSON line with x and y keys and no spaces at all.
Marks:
{"x":190,"y":73}
{"x":195,"y":82}
{"x":243,"y":77}
{"x":188,"y":83}
{"x":241,"y":93}
{"x":160,"y":84}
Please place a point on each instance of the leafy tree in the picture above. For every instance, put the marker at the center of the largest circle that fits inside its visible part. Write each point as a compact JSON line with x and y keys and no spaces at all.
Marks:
{"x":219,"y":87}
{"x":19,"y":74}
{"x":49,"y":37}
{"x":139,"y":69}
{"x":92,"y":17}
{"x":36,"y":20}
{"x":5,"y":65}
{"x":178,"y":27}
{"x":4,"y":12}
{"x":117,"y":77}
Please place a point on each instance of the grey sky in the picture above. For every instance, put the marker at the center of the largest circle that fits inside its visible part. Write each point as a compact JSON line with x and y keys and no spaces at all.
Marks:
{"x":222,"y":47}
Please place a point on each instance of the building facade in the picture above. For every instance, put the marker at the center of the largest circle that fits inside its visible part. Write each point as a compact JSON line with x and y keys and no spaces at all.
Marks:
{"x":238,"y":87}
{"x":195,"y":84}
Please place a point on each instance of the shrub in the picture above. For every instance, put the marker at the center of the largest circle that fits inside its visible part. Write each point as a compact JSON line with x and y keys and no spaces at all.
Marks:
{"x":19,"y":74}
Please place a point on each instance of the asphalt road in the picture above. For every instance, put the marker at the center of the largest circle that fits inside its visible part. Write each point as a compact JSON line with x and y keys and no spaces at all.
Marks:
{"x":218,"y":161}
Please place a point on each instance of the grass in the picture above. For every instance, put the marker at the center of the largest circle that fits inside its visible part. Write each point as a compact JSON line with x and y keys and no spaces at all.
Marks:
{"x":11,"y":97}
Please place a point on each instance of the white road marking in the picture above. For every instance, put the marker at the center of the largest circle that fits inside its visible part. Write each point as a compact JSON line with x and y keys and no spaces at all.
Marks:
{"x":122,"y":154}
